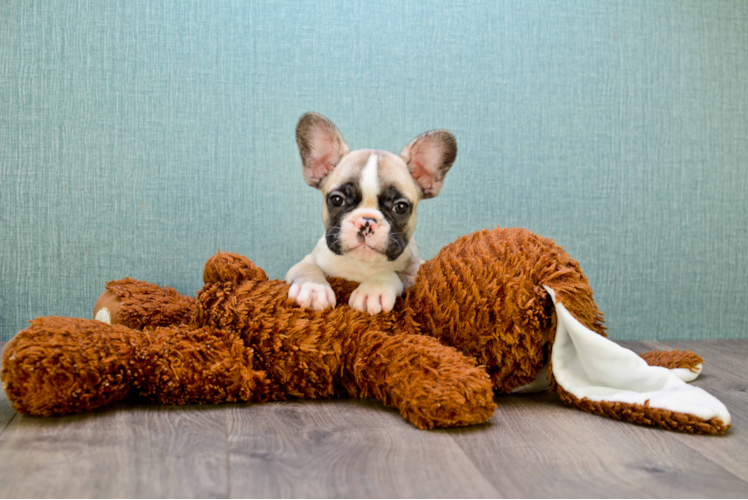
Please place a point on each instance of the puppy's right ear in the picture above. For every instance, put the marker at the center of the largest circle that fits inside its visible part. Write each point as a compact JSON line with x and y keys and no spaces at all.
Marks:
{"x":321,"y":147}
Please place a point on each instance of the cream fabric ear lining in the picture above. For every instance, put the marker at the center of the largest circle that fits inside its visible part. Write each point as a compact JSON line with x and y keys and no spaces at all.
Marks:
{"x":588,"y":365}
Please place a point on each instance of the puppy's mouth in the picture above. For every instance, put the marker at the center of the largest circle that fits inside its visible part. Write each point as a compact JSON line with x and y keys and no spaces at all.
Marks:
{"x":365,"y":252}
{"x":359,"y":248}
{"x":364,"y":246}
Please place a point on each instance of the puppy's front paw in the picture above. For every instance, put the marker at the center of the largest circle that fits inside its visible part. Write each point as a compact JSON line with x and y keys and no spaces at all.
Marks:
{"x":312,"y":294}
{"x":374,"y":296}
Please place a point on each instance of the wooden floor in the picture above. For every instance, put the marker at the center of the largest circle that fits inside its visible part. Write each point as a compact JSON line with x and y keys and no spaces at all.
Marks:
{"x":533,"y":447}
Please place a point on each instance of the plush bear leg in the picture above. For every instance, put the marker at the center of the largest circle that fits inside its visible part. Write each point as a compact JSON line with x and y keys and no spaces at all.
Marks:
{"x":431,"y":384}
{"x":66,"y":365}
{"x":483,"y":295}
{"x":137,"y":304}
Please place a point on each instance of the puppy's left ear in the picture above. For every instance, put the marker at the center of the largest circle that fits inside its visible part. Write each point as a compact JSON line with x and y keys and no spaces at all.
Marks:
{"x":428,"y":157}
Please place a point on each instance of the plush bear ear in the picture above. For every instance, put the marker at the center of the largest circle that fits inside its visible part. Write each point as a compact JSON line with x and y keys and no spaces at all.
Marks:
{"x":429,"y":156}
{"x":321,"y":147}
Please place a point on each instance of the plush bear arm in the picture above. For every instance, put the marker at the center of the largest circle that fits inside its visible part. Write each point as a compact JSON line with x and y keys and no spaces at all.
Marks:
{"x":137,"y":304}
{"x":66,"y":365}
{"x":317,"y":354}
{"x":199,"y":365}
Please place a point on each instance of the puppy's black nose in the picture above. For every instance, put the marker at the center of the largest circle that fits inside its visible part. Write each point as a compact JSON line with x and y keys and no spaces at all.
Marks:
{"x":366,"y":225}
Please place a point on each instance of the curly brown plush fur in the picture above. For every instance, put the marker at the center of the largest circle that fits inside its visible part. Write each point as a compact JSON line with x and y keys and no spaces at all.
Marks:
{"x":477,"y":319}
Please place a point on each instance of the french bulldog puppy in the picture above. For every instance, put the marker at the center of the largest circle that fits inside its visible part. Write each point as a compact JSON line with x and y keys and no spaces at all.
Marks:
{"x":369,"y":213}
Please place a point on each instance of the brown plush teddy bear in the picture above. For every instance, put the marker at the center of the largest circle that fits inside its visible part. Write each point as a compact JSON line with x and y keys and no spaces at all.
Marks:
{"x":502,"y":310}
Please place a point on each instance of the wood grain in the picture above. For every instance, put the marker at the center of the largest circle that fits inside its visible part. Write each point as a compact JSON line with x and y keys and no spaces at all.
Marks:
{"x":725,"y":376}
{"x":544,"y":449}
{"x":123,"y":451}
{"x":346,"y":448}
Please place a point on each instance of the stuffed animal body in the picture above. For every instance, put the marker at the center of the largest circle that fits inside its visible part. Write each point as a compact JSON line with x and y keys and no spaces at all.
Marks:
{"x":496,"y":311}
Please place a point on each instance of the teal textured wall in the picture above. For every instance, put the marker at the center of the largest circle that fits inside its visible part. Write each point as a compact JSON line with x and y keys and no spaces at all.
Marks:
{"x":137,"y":137}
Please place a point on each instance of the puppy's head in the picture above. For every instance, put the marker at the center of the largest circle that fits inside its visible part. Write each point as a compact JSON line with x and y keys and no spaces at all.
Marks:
{"x":371,"y":196}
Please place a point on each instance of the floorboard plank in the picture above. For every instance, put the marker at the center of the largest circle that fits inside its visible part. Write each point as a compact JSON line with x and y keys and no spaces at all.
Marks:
{"x":725,"y":376}
{"x":123,"y":451}
{"x":344,"y":448}
{"x":540,"y":448}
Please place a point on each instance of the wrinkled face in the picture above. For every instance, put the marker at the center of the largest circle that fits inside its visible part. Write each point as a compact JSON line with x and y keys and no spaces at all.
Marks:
{"x":370,"y":206}
{"x":370,"y":196}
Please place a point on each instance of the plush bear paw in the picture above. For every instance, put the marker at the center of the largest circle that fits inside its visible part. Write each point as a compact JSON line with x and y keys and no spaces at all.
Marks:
{"x":107,"y":309}
{"x":103,"y":316}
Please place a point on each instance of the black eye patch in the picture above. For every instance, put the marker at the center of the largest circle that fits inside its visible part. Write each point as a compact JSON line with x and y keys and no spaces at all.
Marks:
{"x":343,"y":199}
{"x":397,"y":211}
{"x":340,"y":201}
{"x":393,"y":203}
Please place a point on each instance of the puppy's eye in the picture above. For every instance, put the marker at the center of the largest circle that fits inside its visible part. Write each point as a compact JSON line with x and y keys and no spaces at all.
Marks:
{"x":336,"y":200}
{"x":401,"y":207}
